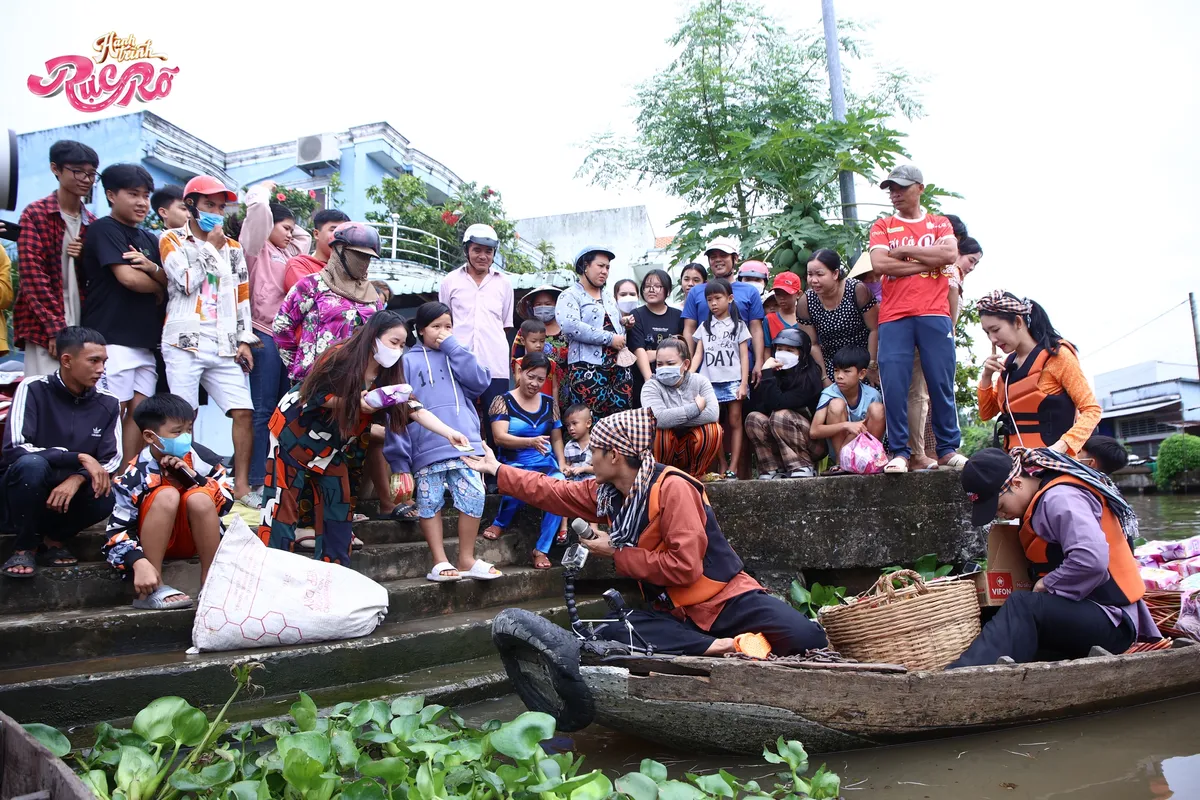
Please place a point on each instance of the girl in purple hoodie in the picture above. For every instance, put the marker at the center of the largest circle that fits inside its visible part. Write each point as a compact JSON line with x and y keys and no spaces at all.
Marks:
{"x":448,"y":379}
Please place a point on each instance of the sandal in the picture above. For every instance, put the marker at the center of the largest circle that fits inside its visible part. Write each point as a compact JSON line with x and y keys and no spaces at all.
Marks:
{"x":541,"y":561}
{"x":481,"y":571}
{"x":896,"y":466}
{"x":438,"y":573}
{"x":561,"y":537}
{"x":400,"y":513}
{"x":356,"y":543}
{"x":730,"y":475}
{"x":22,"y":559}
{"x":359,"y":518}
{"x":157,"y":601}
{"x":306,"y":542}
{"x":953,"y":461}
{"x":492,"y":532}
{"x":56,"y":557}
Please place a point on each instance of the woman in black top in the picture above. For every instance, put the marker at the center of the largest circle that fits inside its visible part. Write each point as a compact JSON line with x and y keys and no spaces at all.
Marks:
{"x":781,"y":409}
{"x":653,"y":322}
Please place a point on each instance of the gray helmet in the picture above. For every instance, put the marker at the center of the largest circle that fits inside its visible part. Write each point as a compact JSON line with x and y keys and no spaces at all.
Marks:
{"x":789,"y":337}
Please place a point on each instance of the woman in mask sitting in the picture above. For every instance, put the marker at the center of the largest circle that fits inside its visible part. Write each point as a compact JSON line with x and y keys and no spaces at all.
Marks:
{"x":781,"y":409}
{"x":685,"y":409}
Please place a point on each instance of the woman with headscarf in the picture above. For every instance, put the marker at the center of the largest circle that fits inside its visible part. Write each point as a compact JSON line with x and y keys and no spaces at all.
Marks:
{"x":596,"y":375}
{"x":1042,"y":396}
{"x":539,"y":304}
{"x":663,"y":532}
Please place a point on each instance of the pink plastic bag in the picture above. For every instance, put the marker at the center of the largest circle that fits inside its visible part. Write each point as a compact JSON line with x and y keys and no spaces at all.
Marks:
{"x":864,"y":455}
{"x":386,"y":396}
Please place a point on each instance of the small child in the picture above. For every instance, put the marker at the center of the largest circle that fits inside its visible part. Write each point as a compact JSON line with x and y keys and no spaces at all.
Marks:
{"x":722,"y":356}
{"x":1103,"y":454}
{"x":532,"y":339}
{"x":169,"y":504}
{"x":850,"y":405}
{"x":578,"y":451}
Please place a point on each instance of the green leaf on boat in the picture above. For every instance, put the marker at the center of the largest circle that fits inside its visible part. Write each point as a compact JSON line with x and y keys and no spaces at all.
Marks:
{"x":50,"y":738}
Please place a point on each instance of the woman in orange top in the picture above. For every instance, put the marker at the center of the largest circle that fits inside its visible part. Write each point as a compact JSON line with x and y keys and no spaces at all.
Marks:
{"x":1042,"y":397}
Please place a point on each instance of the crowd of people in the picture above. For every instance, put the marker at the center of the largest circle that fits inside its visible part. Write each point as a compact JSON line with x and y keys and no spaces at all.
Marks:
{"x":325,"y":387}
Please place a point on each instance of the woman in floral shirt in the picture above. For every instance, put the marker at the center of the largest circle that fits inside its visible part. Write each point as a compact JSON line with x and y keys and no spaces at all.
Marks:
{"x":312,"y":318}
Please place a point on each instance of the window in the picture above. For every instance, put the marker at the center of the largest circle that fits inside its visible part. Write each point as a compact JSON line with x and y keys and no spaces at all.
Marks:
{"x":1143,"y":426}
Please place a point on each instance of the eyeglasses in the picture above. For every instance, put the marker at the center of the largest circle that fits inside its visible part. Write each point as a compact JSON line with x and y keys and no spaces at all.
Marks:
{"x":651,"y":287}
{"x":87,"y":176}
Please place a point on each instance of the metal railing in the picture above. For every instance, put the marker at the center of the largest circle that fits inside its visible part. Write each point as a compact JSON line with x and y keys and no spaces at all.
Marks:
{"x":402,"y":243}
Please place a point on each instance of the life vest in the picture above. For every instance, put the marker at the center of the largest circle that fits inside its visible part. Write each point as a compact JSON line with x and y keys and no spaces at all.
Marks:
{"x":1032,"y":418}
{"x":721,"y":563}
{"x":1124,"y":584}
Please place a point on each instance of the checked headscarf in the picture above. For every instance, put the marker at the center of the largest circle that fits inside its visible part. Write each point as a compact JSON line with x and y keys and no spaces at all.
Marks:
{"x":999,"y":301}
{"x":1034,"y":462}
{"x":629,"y":433}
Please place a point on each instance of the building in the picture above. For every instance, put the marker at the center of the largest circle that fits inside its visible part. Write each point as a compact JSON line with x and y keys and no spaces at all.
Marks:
{"x":626,"y":230}
{"x":362,"y":156}
{"x":1147,"y":402}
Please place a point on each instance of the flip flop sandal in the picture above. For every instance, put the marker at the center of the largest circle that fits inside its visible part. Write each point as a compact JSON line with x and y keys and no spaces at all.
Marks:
{"x":359,"y":518}
{"x":400,"y":513}
{"x":730,"y":476}
{"x":356,"y":543}
{"x":157,"y":601}
{"x":931,"y":466}
{"x":19,"y":560}
{"x":307,"y":542}
{"x":834,"y":471}
{"x":436,"y":575}
{"x":492,"y":532}
{"x":561,"y":537}
{"x":953,"y":461}
{"x":541,"y":561}
{"x":896,"y":466}
{"x":56,"y":557}
{"x":481,"y":571}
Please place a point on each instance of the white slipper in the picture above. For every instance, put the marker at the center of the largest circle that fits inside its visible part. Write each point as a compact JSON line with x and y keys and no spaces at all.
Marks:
{"x":356,"y":543}
{"x":955,"y":461}
{"x":436,"y":575}
{"x":306,"y":539}
{"x":896,"y":465}
{"x":157,"y":601}
{"x":482,"y":571}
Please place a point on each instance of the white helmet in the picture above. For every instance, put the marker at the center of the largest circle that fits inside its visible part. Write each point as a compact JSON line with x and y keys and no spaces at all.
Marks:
{"x":480,"y":234}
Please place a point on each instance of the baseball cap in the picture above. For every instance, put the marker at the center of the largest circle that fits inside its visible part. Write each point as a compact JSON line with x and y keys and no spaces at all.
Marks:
{"x":982,"y":479}
{"x":724,"y":244}
{"x":903,"y":175}
{"x":753,"y":269}
{"x":788,"y":281}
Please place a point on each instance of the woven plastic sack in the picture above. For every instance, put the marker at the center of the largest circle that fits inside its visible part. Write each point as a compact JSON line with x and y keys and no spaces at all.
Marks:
{"x":863,"y":455}
{"x":256,"y":596}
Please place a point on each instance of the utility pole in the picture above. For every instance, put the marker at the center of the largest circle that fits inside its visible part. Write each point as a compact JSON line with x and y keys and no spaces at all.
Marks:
{"x":837,"y":93}
{"x":1195,"y":328}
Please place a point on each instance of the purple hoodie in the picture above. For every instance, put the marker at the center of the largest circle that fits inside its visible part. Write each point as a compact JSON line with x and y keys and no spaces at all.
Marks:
{"x":447,"y":382}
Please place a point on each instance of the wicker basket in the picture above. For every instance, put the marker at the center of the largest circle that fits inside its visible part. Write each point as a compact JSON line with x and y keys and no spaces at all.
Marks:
{"x":919,"y":626}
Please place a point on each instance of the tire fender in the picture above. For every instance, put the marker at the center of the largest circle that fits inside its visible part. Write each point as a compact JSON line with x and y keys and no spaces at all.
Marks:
{"x":522,"y":636}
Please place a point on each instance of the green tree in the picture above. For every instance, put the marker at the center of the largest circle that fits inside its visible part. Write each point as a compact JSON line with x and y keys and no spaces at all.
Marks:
{"x":966,"y":371}
{"x":1176,"y":455}
{"x":739,"y":125}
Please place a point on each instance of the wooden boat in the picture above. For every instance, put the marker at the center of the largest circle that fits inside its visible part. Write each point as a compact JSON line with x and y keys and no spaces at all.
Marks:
{"x":737,"y":706}
{"x":28,"y":770}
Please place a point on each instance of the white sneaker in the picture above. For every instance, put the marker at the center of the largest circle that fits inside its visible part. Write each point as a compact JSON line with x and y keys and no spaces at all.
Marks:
{"x":768,"y":476}
{"x":803,"y":472}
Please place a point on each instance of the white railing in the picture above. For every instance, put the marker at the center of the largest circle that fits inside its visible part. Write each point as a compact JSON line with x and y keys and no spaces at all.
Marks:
{"x":402,"y":243}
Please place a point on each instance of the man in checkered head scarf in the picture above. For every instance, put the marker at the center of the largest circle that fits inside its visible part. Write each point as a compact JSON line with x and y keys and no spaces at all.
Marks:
{"x":619,"y":442}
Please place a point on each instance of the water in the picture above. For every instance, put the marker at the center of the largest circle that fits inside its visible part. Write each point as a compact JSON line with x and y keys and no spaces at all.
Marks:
{"x":1149,"y":752}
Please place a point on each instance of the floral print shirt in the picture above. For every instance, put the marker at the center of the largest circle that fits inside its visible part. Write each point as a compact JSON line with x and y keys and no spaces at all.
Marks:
{"x":311,"y":319}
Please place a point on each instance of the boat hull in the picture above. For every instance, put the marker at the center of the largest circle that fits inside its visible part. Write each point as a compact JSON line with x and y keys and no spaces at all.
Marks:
{"x":737,"y":706}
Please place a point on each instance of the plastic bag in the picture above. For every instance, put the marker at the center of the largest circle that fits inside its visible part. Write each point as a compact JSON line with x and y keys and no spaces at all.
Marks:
{"x":1156,"y":578}
{"x":256,"y":596}
{"x":863,"y":455}
{"x":1189,"y":614}
{"x":386,"y":396}
{"x":1150,"y":554}
{"x":1184,"y":548}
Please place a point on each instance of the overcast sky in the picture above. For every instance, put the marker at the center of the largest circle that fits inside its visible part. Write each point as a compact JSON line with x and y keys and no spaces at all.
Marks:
{"x":1070,"y":128}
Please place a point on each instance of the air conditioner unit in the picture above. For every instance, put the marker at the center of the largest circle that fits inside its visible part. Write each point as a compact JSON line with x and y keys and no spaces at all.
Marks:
{"x":318,"y":150}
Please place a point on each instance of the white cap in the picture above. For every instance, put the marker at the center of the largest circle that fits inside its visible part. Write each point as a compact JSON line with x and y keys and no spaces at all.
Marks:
{"x":724,"y":244}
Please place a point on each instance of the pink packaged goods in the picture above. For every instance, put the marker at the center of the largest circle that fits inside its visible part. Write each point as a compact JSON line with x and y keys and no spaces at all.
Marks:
{"x":1188,"y":566}
{"x":1150,"y":554}
{"x":1184,"y":548}
{"x":1157,"y":578}
{"x":386,"y":396}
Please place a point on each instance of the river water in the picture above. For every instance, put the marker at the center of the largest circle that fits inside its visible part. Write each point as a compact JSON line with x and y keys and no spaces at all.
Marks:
{"x":1148,"y":752}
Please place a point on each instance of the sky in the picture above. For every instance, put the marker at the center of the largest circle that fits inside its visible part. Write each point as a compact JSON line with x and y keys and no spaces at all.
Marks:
{"x":1068,"y":127}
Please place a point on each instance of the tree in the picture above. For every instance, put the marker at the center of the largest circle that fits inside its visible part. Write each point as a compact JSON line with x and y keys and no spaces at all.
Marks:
{"x":739,"y":125}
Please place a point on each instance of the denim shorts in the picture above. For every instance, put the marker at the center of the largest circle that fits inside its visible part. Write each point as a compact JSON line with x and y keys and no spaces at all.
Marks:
{"x":727,"y":391}
{"x":464,"y":483}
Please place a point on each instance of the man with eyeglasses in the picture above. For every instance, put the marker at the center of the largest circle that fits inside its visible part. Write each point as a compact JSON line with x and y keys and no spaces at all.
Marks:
{"x":50,"y":241}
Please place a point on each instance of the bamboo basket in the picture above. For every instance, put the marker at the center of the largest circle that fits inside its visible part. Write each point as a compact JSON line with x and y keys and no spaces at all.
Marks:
{"x":919,"y":626}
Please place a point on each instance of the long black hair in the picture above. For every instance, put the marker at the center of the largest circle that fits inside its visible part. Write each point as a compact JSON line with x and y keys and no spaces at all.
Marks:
{"x":721,"y":286}
{"x":1038,"y":322}
{"x":340,"y":371}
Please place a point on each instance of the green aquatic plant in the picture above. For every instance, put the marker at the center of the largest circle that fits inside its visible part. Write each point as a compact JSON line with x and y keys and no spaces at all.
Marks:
{"x":378,"y":750}
{"x":810,"y":601}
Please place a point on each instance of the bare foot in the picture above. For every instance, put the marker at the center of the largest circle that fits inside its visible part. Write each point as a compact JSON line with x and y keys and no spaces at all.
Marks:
{"x":918,"y":463}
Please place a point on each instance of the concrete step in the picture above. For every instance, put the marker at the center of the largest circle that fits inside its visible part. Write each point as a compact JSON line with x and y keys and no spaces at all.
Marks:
{"x":87,"y":543}
{"x":87,"y":692}
{"x":94,"y":584}
{"x":53,"y":637}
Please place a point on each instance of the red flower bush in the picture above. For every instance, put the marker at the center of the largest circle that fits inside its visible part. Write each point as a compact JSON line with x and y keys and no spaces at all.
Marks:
{"x":281,"y":197}
{"x":312,"y":194}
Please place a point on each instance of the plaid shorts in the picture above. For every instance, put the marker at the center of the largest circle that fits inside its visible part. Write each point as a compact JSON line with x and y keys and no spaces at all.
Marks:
{"x":464,"y":483}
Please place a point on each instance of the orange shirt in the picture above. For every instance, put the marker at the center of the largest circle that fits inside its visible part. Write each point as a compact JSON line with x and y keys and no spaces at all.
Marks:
{"x":924,"y":294}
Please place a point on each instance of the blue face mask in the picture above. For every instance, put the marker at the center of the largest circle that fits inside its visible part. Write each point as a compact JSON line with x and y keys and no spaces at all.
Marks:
{"x":669,"y":376}
{"x":178,"y":447}
{"x":208,"y":221}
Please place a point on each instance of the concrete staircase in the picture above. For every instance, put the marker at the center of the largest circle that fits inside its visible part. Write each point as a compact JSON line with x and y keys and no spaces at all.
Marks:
{"x":74,"y":652}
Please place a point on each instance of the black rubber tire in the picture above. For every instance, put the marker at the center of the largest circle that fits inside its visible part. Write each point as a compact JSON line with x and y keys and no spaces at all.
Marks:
{"x":522,"y":636}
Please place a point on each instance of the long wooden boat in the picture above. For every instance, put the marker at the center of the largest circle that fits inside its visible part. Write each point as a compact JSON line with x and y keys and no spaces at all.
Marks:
{"x":738,"y":706}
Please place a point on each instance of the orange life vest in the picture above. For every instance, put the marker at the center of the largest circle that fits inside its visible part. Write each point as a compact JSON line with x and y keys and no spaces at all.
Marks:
{"x":721,"y":563}
{"x":1124,"y":584}
{"x":1032,"y":418}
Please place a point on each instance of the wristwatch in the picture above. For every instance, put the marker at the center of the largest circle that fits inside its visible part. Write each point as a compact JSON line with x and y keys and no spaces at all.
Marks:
{"x":873,"y":365}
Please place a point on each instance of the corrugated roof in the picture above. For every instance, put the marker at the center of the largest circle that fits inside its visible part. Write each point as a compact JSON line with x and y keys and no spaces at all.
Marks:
{"x":405,"y":278}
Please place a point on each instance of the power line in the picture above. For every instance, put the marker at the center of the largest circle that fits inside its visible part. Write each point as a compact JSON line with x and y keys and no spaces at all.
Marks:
{"x":1122,"y":337}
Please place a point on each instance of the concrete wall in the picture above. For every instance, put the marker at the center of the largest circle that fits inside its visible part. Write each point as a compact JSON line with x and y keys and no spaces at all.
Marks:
{"x":626,"y":230}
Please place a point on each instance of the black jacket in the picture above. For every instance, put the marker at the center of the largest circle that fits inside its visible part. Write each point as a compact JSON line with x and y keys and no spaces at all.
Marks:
{"x":47,"y":419}
{"x":796,"y":389}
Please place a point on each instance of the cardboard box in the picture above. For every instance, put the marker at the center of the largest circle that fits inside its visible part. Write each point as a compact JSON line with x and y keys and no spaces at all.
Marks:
{"x":1007,"y":568}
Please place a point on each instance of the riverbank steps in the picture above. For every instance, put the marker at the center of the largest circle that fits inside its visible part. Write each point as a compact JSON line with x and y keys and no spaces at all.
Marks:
{"x":74,"y":652}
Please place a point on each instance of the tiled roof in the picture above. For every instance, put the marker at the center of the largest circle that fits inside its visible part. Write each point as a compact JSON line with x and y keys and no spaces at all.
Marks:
{"x":662,"y":242}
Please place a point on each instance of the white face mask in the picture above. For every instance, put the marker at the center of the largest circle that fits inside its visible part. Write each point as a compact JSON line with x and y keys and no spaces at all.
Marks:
{"x":787,"y":360}
{"x":627,"y":304}
{"x":386,"y":356}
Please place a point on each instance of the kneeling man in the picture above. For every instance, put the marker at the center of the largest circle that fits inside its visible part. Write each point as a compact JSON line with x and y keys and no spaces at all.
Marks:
{"x":1076,"y":530}
{"x":662,"y":532}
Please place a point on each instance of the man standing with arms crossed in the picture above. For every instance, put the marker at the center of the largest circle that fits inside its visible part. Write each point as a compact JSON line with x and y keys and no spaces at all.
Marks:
{"x":912,"y":251}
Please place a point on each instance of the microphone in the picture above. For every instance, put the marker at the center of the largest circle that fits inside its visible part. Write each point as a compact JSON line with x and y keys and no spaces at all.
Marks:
{"x":582,"y":529}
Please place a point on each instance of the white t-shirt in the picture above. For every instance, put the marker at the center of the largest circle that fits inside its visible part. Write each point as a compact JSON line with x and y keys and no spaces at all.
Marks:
{"x":722,"y":355}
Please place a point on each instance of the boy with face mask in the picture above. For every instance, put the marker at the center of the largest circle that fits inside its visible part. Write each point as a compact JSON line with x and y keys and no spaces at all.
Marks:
{"x":169,"y":504}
